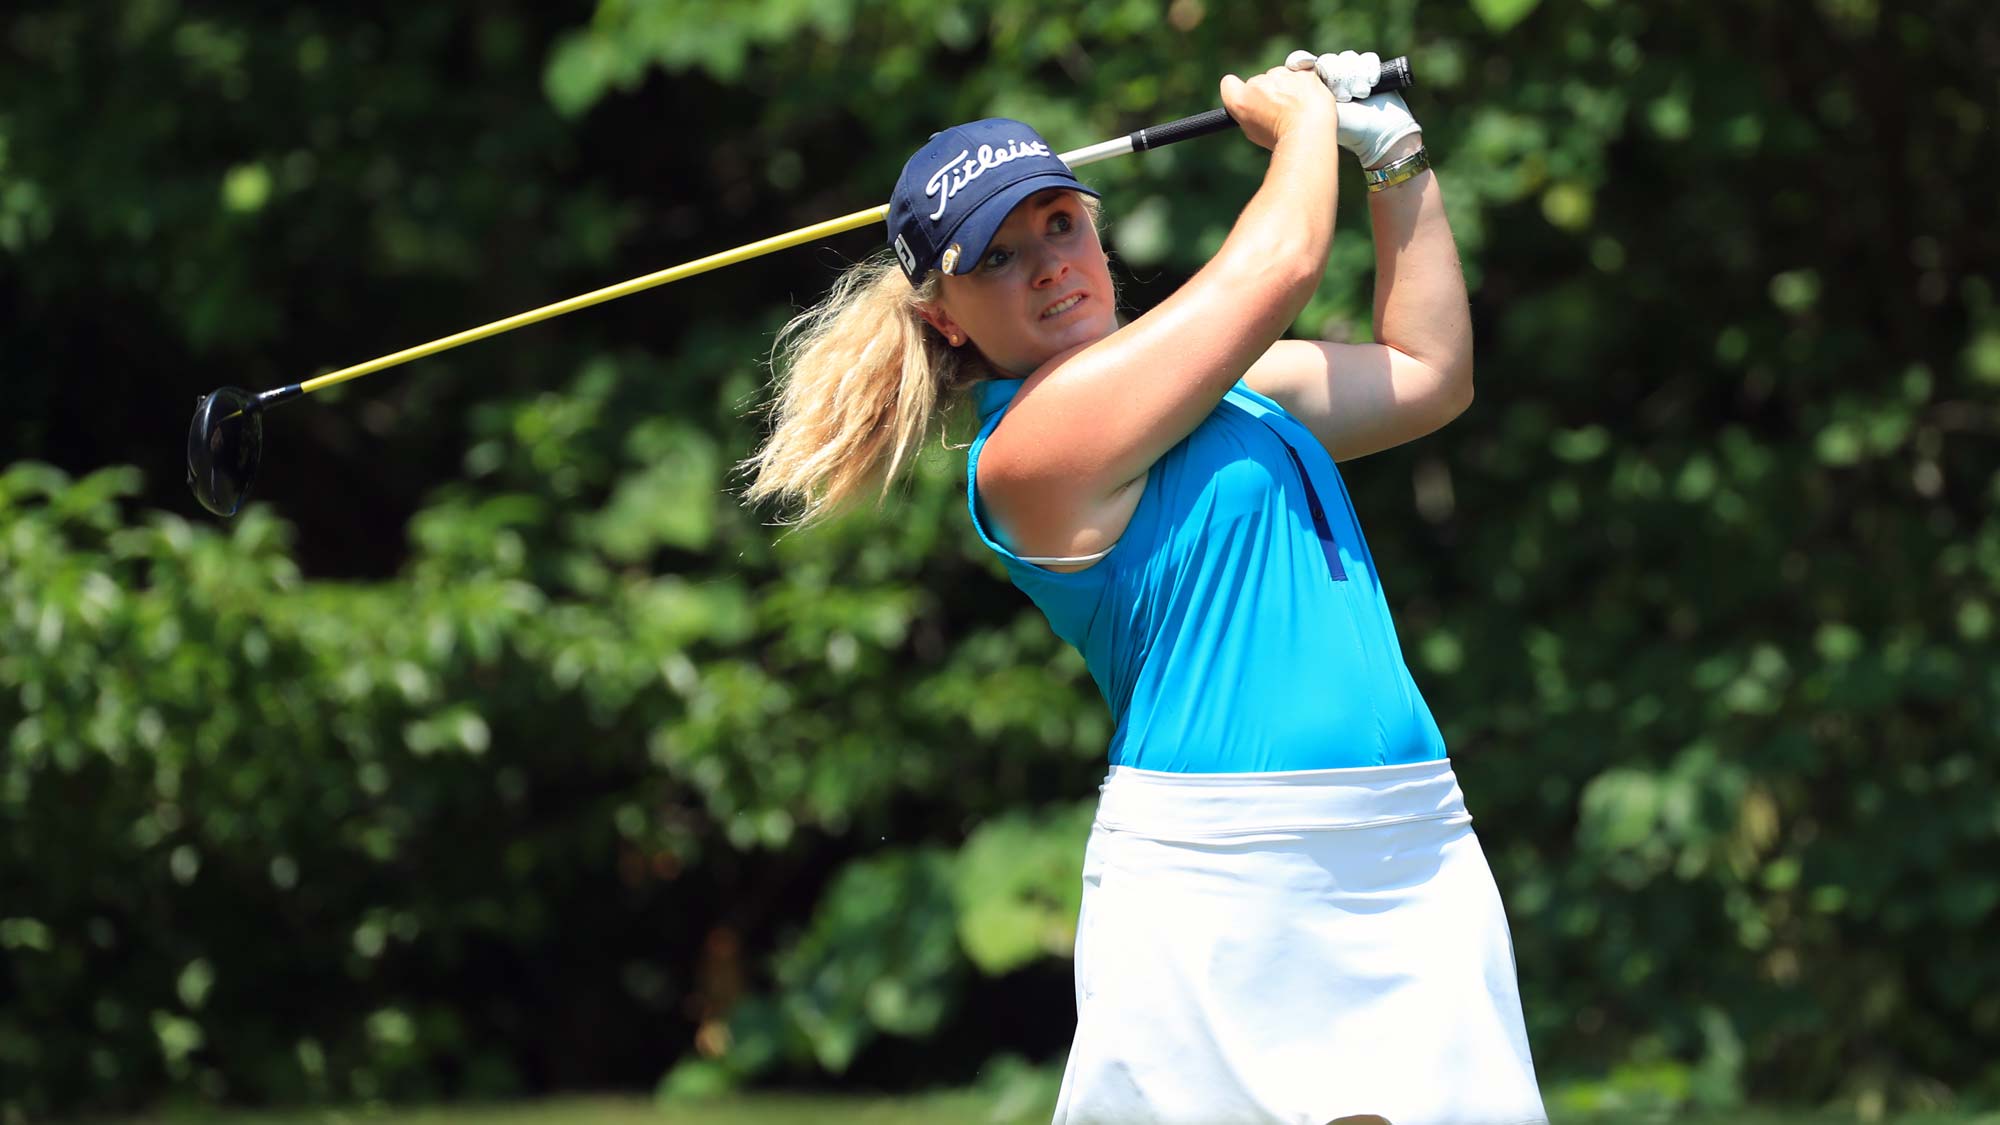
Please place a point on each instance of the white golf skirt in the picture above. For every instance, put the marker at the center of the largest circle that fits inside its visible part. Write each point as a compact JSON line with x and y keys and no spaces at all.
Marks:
{"x":1293,"y":947}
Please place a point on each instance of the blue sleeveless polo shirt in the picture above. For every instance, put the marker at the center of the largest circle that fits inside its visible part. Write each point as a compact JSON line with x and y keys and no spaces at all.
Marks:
{"x":1232,"y":629}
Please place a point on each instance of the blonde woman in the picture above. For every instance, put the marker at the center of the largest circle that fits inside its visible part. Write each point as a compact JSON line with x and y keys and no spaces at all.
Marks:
{"x":1286,"y":915}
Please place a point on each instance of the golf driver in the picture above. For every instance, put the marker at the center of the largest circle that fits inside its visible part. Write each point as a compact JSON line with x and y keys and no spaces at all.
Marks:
{"x":226,"y":438}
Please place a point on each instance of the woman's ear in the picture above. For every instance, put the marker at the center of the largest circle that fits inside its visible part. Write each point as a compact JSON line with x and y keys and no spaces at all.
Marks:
{"x":935,"y":315}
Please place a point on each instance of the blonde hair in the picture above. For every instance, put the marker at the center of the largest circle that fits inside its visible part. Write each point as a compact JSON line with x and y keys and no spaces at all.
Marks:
{"x":857,"y":381}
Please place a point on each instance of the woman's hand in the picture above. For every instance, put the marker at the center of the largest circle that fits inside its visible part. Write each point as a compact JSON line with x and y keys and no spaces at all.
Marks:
{"x":1371,"y":124}
{"x":1278,"y":101}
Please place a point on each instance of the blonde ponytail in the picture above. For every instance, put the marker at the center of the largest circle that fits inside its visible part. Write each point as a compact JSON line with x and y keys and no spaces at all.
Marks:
{"x":856,"y":381}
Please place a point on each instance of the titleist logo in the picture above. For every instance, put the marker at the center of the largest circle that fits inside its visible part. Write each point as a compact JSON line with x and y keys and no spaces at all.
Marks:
{"x":966,"y":167}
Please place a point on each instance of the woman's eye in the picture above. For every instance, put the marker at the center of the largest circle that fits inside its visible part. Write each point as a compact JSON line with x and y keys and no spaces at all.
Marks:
{"x":995,"y":259}
{"x":1061,"y":223}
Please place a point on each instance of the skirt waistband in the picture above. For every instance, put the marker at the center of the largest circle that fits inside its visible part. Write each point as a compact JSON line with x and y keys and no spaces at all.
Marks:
{"x":1220,"y":805}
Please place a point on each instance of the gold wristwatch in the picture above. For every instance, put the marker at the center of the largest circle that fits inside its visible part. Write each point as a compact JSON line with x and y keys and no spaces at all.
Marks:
{"x":1396,"y":171}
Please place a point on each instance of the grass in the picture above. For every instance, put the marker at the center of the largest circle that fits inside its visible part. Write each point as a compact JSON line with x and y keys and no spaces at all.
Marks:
{"x":971,"y":1107}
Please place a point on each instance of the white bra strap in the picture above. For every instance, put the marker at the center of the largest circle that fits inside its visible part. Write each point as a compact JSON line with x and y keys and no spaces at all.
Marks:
{"x":1059,"y":560}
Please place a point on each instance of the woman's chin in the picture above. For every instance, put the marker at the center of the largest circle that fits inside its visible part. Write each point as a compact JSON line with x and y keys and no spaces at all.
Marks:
{"x":1074,"y":330}
{"x":1091,"y":332}
{"x":1055,"y":341}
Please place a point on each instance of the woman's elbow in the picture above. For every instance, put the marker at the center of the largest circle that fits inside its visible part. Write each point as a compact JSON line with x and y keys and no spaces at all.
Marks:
{"x":1456,"y":393}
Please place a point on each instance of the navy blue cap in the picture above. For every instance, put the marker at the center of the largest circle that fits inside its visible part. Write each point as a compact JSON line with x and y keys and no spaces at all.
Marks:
{"x":958,"y":189}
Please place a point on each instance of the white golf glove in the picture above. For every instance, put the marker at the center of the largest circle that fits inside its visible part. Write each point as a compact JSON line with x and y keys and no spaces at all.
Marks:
{"x":1369,"y":122}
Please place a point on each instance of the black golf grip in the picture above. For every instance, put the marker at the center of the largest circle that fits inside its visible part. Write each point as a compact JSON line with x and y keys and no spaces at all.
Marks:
{"x":1395,"y":75}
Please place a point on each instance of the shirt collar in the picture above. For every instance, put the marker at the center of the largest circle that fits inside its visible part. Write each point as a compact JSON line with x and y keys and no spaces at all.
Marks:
{"x":994,"y":395}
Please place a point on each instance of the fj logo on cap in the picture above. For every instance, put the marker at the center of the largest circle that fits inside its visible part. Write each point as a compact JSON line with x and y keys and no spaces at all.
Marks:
{"x":904,"y":255}
{"x":950,"y":257}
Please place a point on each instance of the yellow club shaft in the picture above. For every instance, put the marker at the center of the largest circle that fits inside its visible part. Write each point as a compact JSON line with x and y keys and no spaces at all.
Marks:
{"x":608,"y":293}
{"x":1171,"y":132}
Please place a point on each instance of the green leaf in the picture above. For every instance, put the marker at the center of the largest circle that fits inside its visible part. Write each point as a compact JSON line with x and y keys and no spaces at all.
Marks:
{"x":1499,"y":16}
{"x":1018,"y":887}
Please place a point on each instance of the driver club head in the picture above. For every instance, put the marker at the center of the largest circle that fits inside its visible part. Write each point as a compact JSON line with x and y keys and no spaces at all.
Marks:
{"x":225,"y":442}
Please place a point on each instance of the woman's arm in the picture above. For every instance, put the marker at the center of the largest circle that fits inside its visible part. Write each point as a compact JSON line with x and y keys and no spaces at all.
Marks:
{"x":1420,"y":303}
{"x":1362,"y":398}
{"x":1057,"y":473}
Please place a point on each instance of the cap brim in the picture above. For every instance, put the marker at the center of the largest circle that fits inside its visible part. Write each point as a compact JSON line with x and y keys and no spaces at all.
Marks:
{"x":978,"y":228}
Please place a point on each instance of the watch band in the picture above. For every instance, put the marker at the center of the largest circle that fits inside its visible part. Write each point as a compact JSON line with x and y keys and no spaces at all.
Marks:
{"x":1395,"y":172}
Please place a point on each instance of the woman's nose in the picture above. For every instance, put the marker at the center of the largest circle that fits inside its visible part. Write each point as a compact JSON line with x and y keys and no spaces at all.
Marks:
{"x":1050,"y":269}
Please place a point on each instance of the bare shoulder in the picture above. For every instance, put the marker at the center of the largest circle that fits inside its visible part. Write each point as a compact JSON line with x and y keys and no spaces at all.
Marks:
{"x":1286,"y":373}
{"x":1358,"y":399}
{"x":1039,"y":515}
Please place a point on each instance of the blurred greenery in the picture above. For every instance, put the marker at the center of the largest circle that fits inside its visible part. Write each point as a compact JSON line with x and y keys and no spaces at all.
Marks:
{"x":497,"y":750}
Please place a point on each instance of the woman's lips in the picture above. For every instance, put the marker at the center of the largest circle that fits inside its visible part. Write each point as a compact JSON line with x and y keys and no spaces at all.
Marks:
{"x":1064,"y":305}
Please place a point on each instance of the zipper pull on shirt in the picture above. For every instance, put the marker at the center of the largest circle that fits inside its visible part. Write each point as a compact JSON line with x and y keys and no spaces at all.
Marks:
{"x":1320,"y":526}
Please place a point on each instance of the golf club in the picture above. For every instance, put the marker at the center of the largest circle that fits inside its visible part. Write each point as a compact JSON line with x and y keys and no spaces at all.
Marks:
{"x":226,"y":438}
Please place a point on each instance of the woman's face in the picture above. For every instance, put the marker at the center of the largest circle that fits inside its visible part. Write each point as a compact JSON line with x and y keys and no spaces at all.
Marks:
{"x":1043,"y":287}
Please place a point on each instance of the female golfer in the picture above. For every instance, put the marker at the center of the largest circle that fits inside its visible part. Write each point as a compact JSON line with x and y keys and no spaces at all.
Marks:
{"x":1286,"y":916}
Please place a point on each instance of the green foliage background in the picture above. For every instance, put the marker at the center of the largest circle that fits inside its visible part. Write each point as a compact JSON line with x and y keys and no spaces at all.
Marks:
{"x":499,"y":750}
